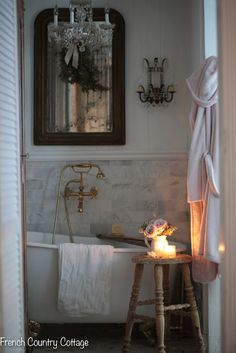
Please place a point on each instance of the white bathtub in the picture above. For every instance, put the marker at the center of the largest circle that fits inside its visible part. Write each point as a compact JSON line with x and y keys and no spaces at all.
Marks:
{"x":42,"y":272}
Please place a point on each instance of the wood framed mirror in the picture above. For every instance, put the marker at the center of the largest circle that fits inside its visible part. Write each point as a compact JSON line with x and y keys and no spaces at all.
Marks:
{"x":82,"y":107}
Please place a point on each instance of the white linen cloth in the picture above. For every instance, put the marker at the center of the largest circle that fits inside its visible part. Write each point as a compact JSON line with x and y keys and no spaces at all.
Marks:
{"x":203,"y":171}
{"x":84,"y":279}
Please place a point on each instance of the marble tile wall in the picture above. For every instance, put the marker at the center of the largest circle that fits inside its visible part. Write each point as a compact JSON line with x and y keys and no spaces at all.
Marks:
{"x":131,"y":193}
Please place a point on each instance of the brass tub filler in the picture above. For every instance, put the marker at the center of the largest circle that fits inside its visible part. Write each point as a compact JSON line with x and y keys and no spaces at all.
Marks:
{"x":74,"y":187}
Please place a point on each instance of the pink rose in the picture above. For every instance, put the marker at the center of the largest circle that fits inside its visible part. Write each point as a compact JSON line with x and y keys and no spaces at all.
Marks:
{"x":155,"y":227}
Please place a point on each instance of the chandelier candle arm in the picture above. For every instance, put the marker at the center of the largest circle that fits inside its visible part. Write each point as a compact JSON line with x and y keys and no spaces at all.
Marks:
{"x":55,"y":16}
{"x":81,"y":33}
{"x":72,"y":14}
{"x":107,"y":20}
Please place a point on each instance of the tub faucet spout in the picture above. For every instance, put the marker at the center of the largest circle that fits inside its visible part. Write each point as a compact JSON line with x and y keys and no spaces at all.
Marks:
{"x":80,"y":208}
{"x":82,"y":194}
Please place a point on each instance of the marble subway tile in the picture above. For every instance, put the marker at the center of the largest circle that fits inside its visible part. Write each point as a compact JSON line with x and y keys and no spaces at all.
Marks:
{"x":104,"y":189}
{"x":122,"y":211}
{"x":77,"y":217}
{"x":117,"y":173}
{"x":141,"y":216}
{"x":144,"y":190}
{"x":81,"y":229}
{"x":131,"y":229}
{"x":39,"y":227}
{"x":183,"y":233}
{"x":174,"y":204}
{"x":146,"y":205}
{"x":45,"y":170}
{"x":123,"y":191}
{"x":175,"y":217}
{"x":178,"y":169}
{"x":100,"y":228}
{"x":167,"y":205}
{"x":130,"y":194}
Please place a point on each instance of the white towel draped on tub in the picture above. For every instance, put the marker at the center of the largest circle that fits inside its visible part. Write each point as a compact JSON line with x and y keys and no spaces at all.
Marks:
{"x":84,"y":279}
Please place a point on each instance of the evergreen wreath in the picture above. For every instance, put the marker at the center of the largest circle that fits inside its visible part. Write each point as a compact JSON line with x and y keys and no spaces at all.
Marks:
{"x":86,"y":75}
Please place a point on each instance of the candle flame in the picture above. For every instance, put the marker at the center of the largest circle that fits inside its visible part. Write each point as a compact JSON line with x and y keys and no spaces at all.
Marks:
{"x":222,"y":247}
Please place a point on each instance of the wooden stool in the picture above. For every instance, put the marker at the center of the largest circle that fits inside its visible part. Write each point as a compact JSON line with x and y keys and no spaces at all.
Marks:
{"x":160,"y":308}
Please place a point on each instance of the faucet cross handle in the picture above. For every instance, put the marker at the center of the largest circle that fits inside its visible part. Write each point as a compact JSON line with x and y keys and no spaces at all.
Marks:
{"x":67,"y":192}
{"x":93,"y":192}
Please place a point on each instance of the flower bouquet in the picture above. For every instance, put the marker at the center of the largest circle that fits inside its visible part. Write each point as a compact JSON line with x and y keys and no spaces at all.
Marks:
{"x":157,"y":230}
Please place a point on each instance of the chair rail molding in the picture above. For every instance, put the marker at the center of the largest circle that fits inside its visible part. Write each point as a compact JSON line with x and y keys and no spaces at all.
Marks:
{"x":70,"y":155}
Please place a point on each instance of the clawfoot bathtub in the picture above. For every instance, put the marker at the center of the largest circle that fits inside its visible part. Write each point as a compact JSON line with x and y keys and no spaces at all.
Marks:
{"x":42,"y":272}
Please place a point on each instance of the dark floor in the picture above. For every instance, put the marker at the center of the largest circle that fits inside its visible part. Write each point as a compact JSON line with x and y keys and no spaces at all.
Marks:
{"x":105,"y":338}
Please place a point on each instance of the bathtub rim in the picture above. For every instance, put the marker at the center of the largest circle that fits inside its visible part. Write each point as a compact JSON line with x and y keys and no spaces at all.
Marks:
{"x":180,"y":247}
{"x":55,"y":247}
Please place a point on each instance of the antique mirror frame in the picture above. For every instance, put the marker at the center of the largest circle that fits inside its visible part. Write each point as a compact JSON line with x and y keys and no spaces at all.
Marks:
{"x":41,"y":135}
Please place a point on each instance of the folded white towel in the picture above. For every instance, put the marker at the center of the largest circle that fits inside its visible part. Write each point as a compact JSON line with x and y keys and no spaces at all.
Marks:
{"x":84,"y":279}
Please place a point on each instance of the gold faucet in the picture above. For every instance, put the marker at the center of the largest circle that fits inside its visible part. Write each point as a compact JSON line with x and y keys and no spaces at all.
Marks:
{"x":81,"y":169}
{"x":81,"y":194}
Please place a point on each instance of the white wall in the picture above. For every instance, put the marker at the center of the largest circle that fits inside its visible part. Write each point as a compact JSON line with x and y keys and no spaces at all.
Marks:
{"x":164,"y":28}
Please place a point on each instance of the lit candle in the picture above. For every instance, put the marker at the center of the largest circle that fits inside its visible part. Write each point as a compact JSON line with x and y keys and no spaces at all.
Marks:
{"x":159,"y":245}
{"x":107,"y":20}
{"x":170,"y":251}
{"x":55,"y":16}
{"x":222,"y":247}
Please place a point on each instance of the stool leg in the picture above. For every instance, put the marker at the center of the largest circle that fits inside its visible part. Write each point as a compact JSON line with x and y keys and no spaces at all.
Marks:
{"x":160,"y":319}
{"x":132,"y":306}
{"x":193,"y":305}
{"x":166,"y":288}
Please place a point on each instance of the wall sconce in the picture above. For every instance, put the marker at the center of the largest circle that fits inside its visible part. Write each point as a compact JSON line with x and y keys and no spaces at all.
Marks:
{"x":156,"y":95}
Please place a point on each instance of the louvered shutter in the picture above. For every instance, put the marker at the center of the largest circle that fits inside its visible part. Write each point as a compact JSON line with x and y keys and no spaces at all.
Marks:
{"x":11,"y":269}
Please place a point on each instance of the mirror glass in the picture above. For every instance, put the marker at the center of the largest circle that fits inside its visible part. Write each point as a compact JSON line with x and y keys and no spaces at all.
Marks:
{"x":82,"y":103}
{"x":80,"y":97}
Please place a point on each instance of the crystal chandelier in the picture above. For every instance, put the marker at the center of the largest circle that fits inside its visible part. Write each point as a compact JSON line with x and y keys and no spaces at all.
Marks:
{"x":81,"y":32}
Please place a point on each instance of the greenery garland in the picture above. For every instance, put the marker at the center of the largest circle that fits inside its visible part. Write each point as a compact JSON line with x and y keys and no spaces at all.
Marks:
{"x":86,"y":75}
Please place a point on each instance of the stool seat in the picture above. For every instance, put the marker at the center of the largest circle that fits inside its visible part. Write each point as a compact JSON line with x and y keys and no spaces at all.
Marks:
{"x":160,"y":266}
{"x":146,"y":259}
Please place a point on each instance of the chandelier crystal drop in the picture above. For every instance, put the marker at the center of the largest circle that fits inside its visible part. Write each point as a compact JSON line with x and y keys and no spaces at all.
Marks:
{"x":81,"y":32}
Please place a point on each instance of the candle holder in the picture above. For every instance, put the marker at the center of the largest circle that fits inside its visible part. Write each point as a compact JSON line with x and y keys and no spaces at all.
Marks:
{"x":160,"y":248}
{"x":157,"y":230}
{"x":156,"y":95}
{"x":81,"y":33}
